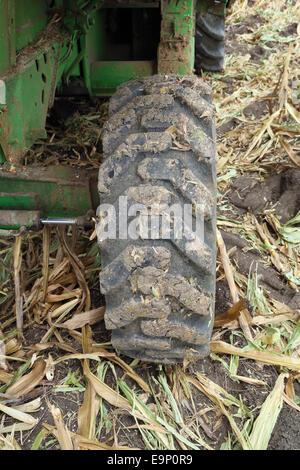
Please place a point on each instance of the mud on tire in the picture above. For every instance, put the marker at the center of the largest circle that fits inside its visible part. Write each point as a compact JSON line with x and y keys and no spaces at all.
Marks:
{"x":159,"y":150}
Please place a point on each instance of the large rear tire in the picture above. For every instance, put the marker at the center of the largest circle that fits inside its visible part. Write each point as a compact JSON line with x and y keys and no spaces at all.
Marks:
{"x":209,"y":42}
{"x":159,"y":149}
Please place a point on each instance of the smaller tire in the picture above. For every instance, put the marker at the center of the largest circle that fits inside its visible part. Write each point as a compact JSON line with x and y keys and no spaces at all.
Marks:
{"x":160,"y":289}
{"x":210,"y":40}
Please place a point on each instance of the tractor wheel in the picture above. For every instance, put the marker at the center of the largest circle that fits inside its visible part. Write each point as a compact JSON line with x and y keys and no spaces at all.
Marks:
{"x":159,"y":150}
{"x":209,"y":42}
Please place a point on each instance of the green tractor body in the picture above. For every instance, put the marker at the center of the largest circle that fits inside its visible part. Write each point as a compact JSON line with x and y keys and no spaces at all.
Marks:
{"x":74,"y":47}
{"x":81,"y":47}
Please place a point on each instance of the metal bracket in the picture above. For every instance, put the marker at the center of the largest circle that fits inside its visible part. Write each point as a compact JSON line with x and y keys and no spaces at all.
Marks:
{"x":36,"y":195}
{"x":176,"y":52}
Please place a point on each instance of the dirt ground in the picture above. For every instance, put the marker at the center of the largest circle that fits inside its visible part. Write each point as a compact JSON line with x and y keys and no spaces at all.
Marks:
{"x":246,"y":194}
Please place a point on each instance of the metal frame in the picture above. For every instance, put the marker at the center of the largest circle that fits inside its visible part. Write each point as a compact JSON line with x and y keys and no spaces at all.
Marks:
{"x":43,"y":50}
{"x":176,"y":53}
{"x":45,"y":192}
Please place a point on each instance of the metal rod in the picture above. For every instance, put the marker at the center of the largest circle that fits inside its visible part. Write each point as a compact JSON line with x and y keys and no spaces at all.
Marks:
{"x":58,"y":221}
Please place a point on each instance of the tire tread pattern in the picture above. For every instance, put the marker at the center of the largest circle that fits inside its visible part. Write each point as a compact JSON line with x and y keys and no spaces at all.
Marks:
{"x":160,"y":293}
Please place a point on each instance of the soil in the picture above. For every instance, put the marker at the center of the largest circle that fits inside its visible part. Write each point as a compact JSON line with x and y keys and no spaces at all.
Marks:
{"x":247,"y":193}
{"x":236,"y":47}
{"x":214,"y":429}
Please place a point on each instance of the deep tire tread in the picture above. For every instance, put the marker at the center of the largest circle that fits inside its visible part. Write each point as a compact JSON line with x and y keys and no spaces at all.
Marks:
{"x":160,"y":293}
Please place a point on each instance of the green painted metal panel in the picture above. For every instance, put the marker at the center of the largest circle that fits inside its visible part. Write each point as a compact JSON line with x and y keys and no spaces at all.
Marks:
{"x":58,"y":191}
{"x":78,"y":52}
{"x":106,"y":75}
{"x":21,"y":201}
{"x":68,"y":65}
{"x":176,"y":52}
{"x":4,"y":49}
{"x":31,"y":17}
{"x":28,"y":92}
{"x":7,"y":34}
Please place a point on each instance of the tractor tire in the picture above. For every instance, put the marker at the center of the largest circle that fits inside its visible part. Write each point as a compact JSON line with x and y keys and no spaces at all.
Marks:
{"x":209,"y":42}
{"x":159,"y":149}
